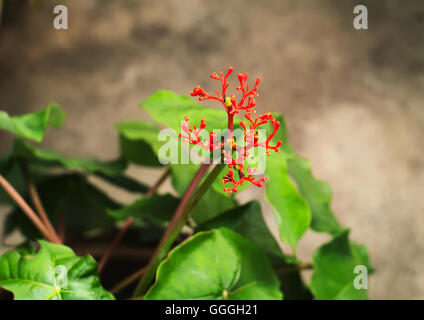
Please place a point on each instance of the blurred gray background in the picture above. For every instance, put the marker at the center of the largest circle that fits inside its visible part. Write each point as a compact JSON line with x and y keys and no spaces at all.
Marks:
{"x":353,"y":100}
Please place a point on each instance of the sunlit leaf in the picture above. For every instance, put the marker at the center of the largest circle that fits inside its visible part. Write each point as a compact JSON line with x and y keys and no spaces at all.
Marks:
{"x":291,"y":211}
{"x":33,"y":125}
{"x":218,"y":264}
{"x":334,"y":265}
{"x":249,"y":222}
{"x":317,"y":193}
{"x":139,"y":142}
{"x":169,"y":109}
{"x":54,"y":273}
{"x":27,"y":152}
{"x":211,"y":204}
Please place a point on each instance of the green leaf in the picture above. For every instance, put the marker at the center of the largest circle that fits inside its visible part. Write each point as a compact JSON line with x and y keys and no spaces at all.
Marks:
{"x":169,"y":109}
{"x":293,"y":286}
{"x":157,"y":208}
{"x":33,"y":125}
{"x":139,"y":142}
{"x":317,"y":193}
{"x":24,"y":150}
{"x":37,"y":277}
{"x":291,"y":212}
{"x":125,"y":182}
{"x":249,"y":222}
{"x":211,"y":204}
{"x":218,"y":264}
{"x":218,"y":186}
{"x":334,"y":264}
{"x":11,"y":171}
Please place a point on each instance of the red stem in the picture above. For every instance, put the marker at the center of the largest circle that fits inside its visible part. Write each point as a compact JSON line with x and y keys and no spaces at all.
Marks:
{"x":125,"y":227}
{"x":61,"y":225}
{"x":36,"y":201}
{"x":171,"y":232}
{"x":27,"y":210}
{"x":115,"y":243}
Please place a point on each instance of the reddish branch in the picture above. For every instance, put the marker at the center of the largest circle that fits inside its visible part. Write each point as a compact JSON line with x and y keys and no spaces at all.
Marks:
{"x":172,"y":231}
{"x":28,"y":211}
{"x":36,"y":201}
{"x":127,"y":224}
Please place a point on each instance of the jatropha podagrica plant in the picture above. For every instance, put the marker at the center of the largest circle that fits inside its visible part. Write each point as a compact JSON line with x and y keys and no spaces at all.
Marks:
{"x":223,"y":230}
{"x":236,"y":153}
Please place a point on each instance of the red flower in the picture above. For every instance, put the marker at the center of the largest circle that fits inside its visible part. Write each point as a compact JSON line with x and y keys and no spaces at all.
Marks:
{"x":246,"y":103}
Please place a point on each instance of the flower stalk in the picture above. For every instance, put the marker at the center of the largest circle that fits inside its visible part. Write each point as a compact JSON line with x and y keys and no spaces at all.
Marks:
{"x":191,"y":135}
{"x":36,"y":201}
{"x":127,"y":224}
{"x":179,"y":219}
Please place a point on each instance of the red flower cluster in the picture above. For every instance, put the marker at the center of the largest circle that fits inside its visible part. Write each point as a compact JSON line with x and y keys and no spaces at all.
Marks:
{"x":246,"y":103}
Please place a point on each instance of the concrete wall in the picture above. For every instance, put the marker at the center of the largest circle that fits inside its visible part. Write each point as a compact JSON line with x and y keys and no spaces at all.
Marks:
{"x":353,"y":100}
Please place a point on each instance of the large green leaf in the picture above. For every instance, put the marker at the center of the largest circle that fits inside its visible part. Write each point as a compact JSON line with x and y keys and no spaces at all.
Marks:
{"x":291,"y":212}
{"x":27,"y":152}
{"x":293,"y":286}
{"x":218,"y":264}
{"x":40,"y":277}
{"x":317,"y":193}
{"x":169,"y":109}
{"x":218,"y":186}
{"x":139,"y":142}
{"x":11,"y":171}
{"x":249,"y":222}
{"x":39,"y":160}
{"x":33,"y":125}
{"x":157,"y":208}
{"x":334,"y":264}
{"x":211,"y":204}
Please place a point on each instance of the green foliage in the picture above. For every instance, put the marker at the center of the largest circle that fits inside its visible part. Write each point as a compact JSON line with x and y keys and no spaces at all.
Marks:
{"x":11,"y":170}
{"x":33,"y":125}
{"x":124,"y":182}
{"x":293,"y":286}
{"x":214,"y":201}
{"x":316,"y":193}
{"x":291,"y":211}
{"x":50,"y":159}
{"x":249,"y":222}
{"x":169,"y":109}
{"x":218,"y":264}
{"x":157,"y":208}
{"x":334,"y":264}
{"x":82,"y":205}
{"x":232,"y":253}
{"x":139,"y":142}
{"x":32,"y":276}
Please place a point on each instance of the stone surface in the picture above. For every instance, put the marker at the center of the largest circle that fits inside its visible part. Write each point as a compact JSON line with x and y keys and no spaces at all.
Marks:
{"x":353,"y":100}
